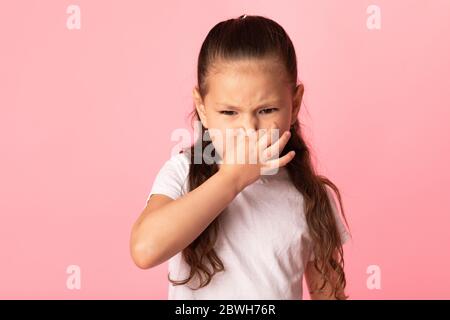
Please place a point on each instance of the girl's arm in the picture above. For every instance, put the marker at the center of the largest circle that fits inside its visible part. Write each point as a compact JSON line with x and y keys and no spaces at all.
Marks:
{"x":314,"y":282}
{"x":167,"y":226}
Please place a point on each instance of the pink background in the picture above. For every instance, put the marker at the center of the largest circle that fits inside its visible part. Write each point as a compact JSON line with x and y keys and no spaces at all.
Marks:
{"x":86,"y":117}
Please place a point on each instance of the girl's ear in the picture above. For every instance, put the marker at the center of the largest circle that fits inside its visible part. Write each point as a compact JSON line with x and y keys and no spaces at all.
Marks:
{"x":199,"y":105}
{"x":296,"y":102}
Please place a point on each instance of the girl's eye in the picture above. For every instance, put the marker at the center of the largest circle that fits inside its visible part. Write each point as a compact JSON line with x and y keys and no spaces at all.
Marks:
{"x":264,"y":111}
{"x":269,"y":109}
{"x":225,"y":112}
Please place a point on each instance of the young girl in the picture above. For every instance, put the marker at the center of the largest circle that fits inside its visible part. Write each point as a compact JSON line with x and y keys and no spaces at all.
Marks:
{"x":228,"y":230}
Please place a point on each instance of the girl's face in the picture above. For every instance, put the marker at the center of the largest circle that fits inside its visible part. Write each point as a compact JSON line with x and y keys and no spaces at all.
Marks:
{"x":249,"y":94}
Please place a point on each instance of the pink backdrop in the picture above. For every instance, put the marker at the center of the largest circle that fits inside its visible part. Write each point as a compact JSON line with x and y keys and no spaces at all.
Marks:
{"x":86,"y":118}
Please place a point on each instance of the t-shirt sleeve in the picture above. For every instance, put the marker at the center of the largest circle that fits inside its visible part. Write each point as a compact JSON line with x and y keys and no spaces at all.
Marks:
{"x":172,"y":179}
{"x":339,"y":222}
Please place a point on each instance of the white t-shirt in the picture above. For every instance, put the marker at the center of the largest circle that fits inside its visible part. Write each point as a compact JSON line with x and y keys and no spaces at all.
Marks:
{"x":263,"y":239}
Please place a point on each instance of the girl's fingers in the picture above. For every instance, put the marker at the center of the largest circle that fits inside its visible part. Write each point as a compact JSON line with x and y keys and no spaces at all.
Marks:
{"x":268,"y":145}
{"x":242,"y":145}
{"x":275,"y":149}
{"x":267,"y":137}
{"x":263,"y":141}
{"x":280,"y":162}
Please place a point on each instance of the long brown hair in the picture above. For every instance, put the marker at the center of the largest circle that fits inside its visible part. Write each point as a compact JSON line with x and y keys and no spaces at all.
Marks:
{"x":259,"y":37}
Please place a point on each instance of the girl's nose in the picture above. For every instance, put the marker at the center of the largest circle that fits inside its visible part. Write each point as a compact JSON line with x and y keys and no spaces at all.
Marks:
{"x":250,"y":123}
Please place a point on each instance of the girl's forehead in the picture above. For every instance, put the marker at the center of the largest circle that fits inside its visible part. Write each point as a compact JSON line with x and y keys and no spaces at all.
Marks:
{"x":247,"y":78}
{"x":254,"y":66}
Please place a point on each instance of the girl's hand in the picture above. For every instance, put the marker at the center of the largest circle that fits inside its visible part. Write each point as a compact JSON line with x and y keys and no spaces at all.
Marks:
{"x":248,"y":155}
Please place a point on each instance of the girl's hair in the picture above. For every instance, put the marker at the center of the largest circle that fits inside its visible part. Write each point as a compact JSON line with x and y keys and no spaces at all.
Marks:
{"x":259,"y":37}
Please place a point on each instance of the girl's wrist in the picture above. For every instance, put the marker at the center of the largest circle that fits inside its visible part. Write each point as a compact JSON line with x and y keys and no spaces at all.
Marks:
{"x":236,"y":185}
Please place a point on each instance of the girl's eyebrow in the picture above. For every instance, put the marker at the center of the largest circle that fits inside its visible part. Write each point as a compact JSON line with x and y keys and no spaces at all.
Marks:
{"x":229,"y":106}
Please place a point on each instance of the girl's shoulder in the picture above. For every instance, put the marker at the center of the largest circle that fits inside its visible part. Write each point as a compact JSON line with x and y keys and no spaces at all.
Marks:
{"x":172,"y":177}
{"x":182,"y":156}
{"x":178,"y":162}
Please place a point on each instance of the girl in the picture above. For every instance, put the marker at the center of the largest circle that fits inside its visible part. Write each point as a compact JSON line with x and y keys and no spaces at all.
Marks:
{"x":228,"y":230}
